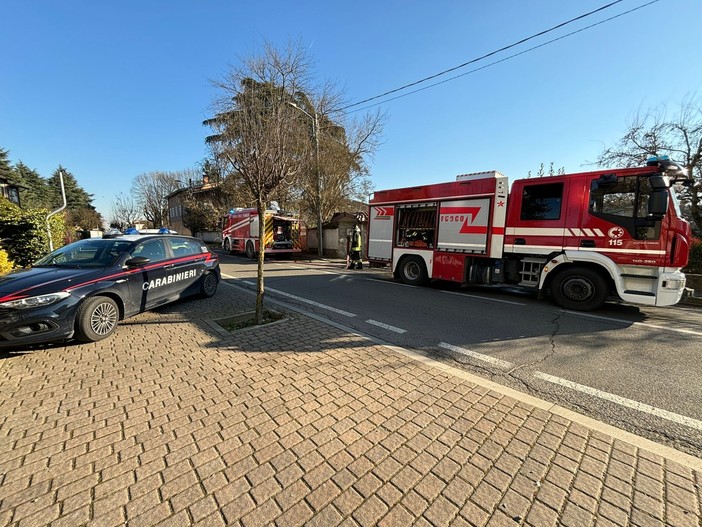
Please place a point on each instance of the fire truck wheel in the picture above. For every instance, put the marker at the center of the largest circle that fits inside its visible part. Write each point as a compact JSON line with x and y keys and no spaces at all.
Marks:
{"x":413,"y":271}
{"x":227,"y":245}
{"x":250,"y":253}
{"x":579,"y":288}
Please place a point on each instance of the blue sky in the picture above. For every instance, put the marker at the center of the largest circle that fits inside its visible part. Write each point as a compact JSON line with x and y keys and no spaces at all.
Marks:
{"x":111,"y":90}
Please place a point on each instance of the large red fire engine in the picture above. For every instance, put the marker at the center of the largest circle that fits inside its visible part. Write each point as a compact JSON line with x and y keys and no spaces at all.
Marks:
{"x":580,"y":236}
{"x":240,"y":232}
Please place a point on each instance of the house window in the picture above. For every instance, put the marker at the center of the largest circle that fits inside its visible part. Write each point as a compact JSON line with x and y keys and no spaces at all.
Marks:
{"x":12,"y":193}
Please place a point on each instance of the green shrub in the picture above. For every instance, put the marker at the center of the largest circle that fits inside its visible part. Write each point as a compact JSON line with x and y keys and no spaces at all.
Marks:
{"x":6,"y":264}
{"x":23,"y":233}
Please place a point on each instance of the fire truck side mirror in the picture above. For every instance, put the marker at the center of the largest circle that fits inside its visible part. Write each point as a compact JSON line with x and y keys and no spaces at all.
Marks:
{"x":658,"y":182}
{"x":658,"y":203}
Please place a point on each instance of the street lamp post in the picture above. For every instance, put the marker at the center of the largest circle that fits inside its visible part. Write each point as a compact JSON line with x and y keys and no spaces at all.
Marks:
{"x":315,"y":131}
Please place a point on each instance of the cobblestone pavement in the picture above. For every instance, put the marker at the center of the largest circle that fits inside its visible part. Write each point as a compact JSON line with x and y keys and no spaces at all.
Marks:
{"x":176,"y":422}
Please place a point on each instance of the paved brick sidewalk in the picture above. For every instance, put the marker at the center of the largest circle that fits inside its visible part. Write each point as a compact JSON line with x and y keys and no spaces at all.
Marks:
{"x":173,"y":422}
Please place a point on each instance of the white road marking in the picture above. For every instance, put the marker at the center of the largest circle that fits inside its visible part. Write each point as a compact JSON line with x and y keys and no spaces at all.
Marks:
{"x":299,"y":298}
{"x":596,"y":317}
{"x":485,"y":358}
{"x":485,"y":298}
{"x":630,"y":323}
{"x":451,"y":292}
{"x":389,"y":282}
{"x":676,"y":330}
{"x":312,"y":303}
{"x":386,"y":326}
{"x":622,"y":401}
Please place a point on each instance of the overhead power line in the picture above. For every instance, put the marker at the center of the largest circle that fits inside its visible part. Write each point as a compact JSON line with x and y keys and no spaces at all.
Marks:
{"x":491,"y":63}
{"x":473,"y":61}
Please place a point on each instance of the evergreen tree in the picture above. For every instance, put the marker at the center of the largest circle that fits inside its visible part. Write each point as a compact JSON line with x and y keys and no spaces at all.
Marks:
{"x":34,"y":191}
{"x":6,"y":171}
{"x":76,"y":196}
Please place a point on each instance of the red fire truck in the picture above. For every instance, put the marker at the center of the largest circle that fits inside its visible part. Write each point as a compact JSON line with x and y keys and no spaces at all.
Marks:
{"x":580,"y":236}
{"x":240,"y":232}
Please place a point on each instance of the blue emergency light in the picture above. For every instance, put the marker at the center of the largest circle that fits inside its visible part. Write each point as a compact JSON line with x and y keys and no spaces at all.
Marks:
{"x":654,"y":160}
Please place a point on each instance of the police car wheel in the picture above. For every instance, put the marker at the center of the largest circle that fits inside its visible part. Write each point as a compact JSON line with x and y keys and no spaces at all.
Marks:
{"x":209,"y":285}
{"x":96,"y":319}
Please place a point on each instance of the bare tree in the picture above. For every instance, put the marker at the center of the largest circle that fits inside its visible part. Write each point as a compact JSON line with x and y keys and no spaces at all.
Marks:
{"x":345,"y":146}
{"x":257,"y":132}
{"x":125,"y":212}
{"x":658,"y":133}
{"x":151,"y":191}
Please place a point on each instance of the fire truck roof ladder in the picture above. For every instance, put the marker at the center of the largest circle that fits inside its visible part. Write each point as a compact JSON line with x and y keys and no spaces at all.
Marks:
{"x":479,"y":175}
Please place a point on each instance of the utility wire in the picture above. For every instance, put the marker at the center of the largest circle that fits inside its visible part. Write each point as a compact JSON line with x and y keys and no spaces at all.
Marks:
{"x":497,"y":61}
{"x":482,"y":57}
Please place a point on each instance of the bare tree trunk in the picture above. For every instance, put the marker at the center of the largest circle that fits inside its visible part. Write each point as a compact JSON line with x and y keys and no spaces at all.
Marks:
{"x":260,"y":290}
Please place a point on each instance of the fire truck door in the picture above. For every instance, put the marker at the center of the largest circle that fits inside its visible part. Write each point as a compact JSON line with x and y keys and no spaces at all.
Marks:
{"x":537,"y":217}
{"x":380,"y":232}
{"x":616,"y":222}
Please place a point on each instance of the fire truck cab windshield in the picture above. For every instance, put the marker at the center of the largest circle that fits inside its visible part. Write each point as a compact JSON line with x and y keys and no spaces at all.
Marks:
{"x":630,"y":201}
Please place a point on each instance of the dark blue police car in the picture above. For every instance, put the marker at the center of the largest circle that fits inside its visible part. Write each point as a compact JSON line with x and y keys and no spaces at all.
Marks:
{"x":84,"y":289}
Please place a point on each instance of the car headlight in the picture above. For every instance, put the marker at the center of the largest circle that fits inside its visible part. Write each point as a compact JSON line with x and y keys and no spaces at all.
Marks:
{"x":35,"y":301}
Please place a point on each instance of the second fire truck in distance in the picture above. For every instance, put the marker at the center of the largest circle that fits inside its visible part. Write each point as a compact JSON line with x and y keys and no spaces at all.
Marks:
{"x":580,"y":236}
{"x":282,"y":232}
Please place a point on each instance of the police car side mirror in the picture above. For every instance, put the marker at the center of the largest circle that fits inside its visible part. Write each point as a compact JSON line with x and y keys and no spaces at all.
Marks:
{"x":137,"y":261}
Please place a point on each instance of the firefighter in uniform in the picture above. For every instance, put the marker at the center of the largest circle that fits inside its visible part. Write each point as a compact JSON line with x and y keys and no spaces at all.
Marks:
{"x":355,"y":249}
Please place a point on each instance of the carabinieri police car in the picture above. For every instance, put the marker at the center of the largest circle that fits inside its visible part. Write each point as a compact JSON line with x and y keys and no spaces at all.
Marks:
{"x":84,"y":289}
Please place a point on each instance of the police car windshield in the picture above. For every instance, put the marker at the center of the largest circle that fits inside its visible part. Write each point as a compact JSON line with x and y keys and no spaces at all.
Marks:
{"x":93,"y":253}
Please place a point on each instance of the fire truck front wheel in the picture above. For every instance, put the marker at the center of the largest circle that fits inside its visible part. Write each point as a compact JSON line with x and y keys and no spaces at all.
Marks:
{"x":413,"y":271}
{"x":250,"y":252}
{"x":227,"y":245}
{"x":579,"y":288}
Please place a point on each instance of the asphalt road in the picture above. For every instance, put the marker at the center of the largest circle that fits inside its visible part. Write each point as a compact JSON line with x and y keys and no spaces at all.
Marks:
{"x":637,"y":368}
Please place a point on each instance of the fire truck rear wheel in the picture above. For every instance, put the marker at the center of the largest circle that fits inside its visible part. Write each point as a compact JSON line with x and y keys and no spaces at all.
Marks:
{"x":250,"y":253}
{"x":579,"y":288}
{"x":413,"y":271}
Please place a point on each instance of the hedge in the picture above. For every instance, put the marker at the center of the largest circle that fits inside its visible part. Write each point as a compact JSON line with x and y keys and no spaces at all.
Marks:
{"x":23,"y":233}
{"x":5,"y":263}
